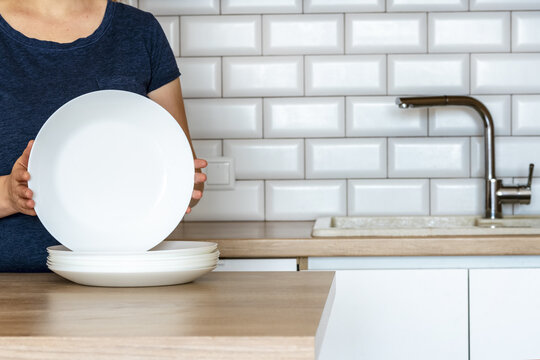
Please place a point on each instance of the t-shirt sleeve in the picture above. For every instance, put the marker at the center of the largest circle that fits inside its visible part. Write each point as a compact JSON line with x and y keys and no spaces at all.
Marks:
{"x":163,"y":63}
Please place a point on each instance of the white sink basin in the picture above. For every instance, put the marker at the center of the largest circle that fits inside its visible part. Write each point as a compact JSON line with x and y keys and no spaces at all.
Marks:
{"x":406,"y":226}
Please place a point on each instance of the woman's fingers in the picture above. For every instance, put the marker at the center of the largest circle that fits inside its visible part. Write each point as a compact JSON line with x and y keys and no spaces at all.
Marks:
{"x":20,"y":174}
{"x":26,"y":204}
{"x":200,"y":163}
{"x":22,"y":161}
{"x":197,"y":194}
{"x":26,"y":154}
{"x":200,"y":178}
{"x":24,"y":192}
{"x":29,"y":211}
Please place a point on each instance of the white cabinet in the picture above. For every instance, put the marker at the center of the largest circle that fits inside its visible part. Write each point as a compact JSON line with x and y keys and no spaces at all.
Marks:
{"x":256,"y":265}
{"x":398,"y":314}
{"x":505,"y":314}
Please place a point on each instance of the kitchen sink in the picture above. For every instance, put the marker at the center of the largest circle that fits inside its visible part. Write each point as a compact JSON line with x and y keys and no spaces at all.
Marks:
{"x":424,"y":226}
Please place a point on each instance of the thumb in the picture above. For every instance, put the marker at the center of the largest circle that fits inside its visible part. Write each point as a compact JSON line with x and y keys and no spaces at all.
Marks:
{"x":23,"y":160}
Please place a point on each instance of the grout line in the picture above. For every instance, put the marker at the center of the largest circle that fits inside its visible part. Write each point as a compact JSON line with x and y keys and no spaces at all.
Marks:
{"x":305,"y":159}
{"x":264,"y":198}
{"x":221,"y":64}
{"x":468,"y":314}
{"x":304,"y":71}
{"x":429,"y":196}
{"x":511,"y":114}
{"x":470,"y":73}
{"x":428,"y":116}
{"x":344,"y":33}
{"x":511,"y":37}
{"x":387,"y":71}
{"x":345,"y":116}
{"x":427,"y":32}
{"x":387,"y":158}
{"x":346,"y":196}
{"x":470,"y":157}
{"x":263,"y":120}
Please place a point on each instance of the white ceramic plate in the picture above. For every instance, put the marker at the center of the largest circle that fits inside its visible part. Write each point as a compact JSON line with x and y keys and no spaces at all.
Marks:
{"x":133,"y":279}
{"x":131,"y":259}
{"x":120,"y":261}
{"x":165,"y":249}
{"x":133,"y":267}
{"x":111,"y":171}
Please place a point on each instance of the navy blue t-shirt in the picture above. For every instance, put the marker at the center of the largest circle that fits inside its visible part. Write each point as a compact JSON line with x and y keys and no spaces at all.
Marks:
{"x":128,"y":51}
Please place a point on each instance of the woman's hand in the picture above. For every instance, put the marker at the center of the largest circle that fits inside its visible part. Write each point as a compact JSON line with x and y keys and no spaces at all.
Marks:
{"x":15,"y":194}
{"x":200,"y":178}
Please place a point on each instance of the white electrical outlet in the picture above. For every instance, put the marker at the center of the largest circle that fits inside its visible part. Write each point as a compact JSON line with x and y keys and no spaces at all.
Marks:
{"x":220,"y":173}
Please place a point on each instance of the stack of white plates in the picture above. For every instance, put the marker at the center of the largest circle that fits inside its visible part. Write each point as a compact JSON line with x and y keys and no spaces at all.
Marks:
{"x":171,"y":262}
{"x":112,"y":176}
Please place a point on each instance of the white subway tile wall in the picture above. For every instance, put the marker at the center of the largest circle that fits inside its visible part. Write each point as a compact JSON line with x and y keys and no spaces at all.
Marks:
{"x":267,"y":159}
{"x":427,"y":5}
{"x":401,"y":197}
{"x":505,"y":5}
{"x":345,"y":158}
{"x":428,"y":74}
{"x":385,"y":33}
{"x":434,"y":157}
{"x":224,"y":118}
{"x":332,"y":6}
{"x":459,"y":121}
{"x":301,"y":94}
{"x":469,"y":32}
{"x":245,"y":202}
{"x":534,"y":207}
{"x":526,"y":115}
{"x":201,"y":77}
{"x":525,"y":30}
{"x":345,"y":75}
{"x":457,"y":197}
{"x":302,"y":34}
{"x":261,"y":6}
{"x":379,"y":116}
{"x":207,"y":148}
{"x":220,"y":35}
{"x":305,"y":199}
{"x":505,"y":73}
{"x":513,"y":154}
{"x":263,"y":76}
{"x":304,"y":117}
{"x":180,"y":7}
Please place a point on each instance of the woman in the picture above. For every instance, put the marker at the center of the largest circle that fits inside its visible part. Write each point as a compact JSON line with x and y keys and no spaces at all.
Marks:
{"x":52,"y":51}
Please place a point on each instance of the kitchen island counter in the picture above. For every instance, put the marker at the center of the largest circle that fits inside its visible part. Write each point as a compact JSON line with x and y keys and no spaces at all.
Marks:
{"x":221,"y":315}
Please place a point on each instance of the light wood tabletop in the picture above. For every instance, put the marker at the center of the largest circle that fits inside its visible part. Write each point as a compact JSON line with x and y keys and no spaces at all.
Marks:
{"x":228,"y":315}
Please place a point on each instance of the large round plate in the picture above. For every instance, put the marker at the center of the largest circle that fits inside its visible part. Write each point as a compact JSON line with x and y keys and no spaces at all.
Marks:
{"x":132,"y":279}
{"x":166,"y":249}
{"x":111,"y":171}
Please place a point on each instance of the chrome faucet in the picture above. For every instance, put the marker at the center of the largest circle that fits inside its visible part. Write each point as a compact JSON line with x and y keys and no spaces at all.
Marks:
{"x":496,"y":192}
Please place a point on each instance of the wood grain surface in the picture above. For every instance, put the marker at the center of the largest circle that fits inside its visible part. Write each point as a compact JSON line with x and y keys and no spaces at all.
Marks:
{"x":269,"y":239}
{"x":222,"y":315}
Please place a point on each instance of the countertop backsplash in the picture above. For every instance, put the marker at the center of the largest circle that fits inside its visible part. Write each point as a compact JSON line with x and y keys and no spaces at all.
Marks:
{"x":301,"y":96}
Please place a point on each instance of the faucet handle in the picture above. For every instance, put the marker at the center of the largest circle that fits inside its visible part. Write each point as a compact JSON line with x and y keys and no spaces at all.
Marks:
{"x":529,"y":180}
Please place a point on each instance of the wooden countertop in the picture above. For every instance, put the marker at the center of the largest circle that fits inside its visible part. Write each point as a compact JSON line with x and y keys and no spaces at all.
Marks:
{"x":221,"y":315}
{"x":269,"y":239}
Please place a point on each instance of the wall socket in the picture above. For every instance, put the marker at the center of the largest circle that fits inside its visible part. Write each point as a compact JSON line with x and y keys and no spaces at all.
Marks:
{"x":220,"y":173}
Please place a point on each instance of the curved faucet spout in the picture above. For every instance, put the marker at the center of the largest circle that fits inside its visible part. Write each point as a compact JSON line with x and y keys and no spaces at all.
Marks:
{"x":487,"y":120}
{"x":493,"y":205}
